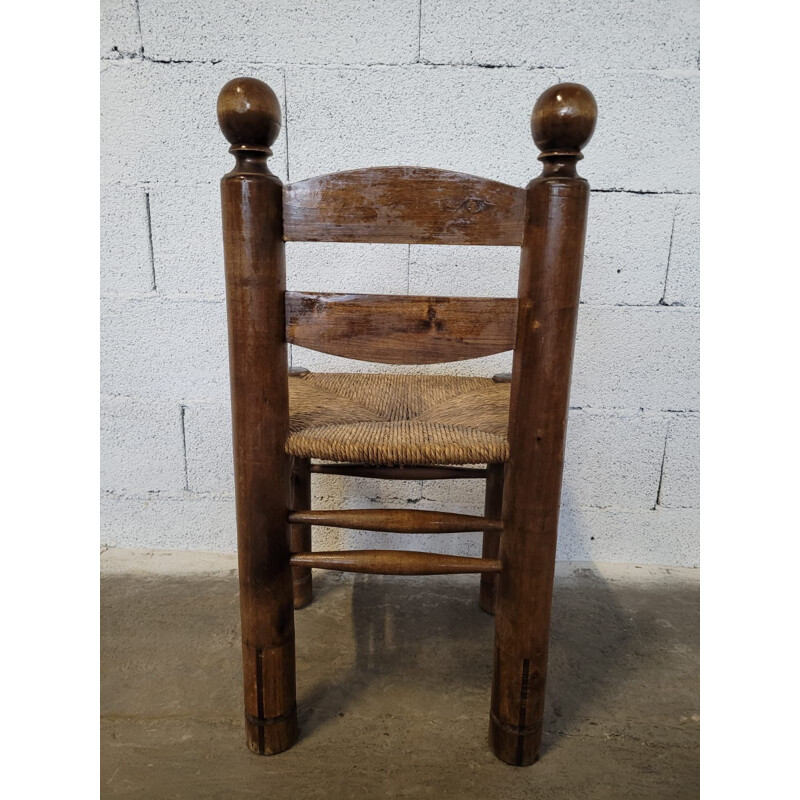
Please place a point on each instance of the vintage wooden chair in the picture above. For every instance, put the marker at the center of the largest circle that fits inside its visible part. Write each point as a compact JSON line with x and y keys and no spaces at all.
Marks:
{"x":401,"y":426}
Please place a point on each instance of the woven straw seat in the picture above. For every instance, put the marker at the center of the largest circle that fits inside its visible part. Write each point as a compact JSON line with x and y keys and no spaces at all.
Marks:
{"x":398,"y":419}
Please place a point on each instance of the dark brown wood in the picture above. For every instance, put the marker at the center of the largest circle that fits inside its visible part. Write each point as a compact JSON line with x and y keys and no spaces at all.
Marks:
{"x":550,"y":272}
{"x":396,"y":520}
{"x":300,"y":536}
{"x":249,"y":115}
{"x":415,"y":473}
{"x":397,"y":329}
{"x":395,"y":562}
{"x":562,"y":123}
{"x":493,"y":509}
{"x":406,"y":205}
{"x":402,"y":205}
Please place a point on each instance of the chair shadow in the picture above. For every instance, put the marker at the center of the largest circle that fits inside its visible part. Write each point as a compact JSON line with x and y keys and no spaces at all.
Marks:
{"x":448,"y":650}
{"x":420,"y":629}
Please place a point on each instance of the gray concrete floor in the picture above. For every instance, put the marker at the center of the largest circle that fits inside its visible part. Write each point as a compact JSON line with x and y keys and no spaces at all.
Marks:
{"x":393,"y":687}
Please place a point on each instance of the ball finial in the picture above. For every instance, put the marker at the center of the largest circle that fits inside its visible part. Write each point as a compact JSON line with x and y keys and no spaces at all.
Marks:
{"x":249,"y":113}
{"x":563,"y":119}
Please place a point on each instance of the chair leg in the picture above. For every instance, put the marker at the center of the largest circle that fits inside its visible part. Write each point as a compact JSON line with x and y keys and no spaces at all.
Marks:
{"x":493,"y":507}
{"x":255,"y":280}
{"x":522,"y":634}
{"x":522,"y":618}
{"x":300,"y":535}
{"x":265,"y":596}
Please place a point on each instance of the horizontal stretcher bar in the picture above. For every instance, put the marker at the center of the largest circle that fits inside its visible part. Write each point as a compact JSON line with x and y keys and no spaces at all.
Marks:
{"x":394,"y":562}
{"x":389,"y":520}
{"x":420,"y":473}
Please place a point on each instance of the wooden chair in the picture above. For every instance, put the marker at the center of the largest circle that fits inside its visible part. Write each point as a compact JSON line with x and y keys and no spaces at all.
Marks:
{"x":401,"y":427}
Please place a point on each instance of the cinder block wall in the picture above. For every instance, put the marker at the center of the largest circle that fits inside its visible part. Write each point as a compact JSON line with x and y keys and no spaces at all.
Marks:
{"x":444,"y":83}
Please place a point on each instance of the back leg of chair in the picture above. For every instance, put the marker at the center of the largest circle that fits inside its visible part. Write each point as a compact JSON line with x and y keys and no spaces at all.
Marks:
{"x":492,"y":509}
{"x":300,"y":537}
{"x":549,"y":290}
{"x":255,"y":279}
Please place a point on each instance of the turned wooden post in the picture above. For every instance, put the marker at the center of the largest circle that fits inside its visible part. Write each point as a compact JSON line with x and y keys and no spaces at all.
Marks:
{"x":300,"y":537}
{"x":250,"y":117}
{"x":492,"y":508}
{"x":562,"y":123}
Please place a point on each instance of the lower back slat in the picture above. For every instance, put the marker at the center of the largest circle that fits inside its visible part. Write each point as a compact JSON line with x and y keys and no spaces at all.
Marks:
{"x":401,"y":329}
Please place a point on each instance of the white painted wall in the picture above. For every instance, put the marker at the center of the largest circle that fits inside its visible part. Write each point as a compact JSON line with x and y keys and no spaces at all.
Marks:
{"x":444,"y":83}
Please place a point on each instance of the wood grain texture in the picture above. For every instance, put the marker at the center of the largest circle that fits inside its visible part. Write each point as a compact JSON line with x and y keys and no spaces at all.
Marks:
{"x":249,"y":116}
{"x":395,"y":562}
{"x":405,"y":205}
{"x":391,"y":520}
{"x":399,"y":329}
{"x":549,"y":291}
{"x":412,"y":473}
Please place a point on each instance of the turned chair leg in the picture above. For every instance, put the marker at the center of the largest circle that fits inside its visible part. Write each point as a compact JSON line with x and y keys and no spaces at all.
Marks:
{"x":300,"y":535}
{"x":549,"y":290}
{"x":492,"y":509}
{"x":255,"y":279}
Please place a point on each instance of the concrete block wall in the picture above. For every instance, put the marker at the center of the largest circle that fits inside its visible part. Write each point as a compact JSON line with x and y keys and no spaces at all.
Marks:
{"x":444,"y":83}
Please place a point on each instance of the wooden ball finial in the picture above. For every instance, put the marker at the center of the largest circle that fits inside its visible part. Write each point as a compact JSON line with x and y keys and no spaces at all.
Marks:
{"x":563,"y":120}
{"x":249,"y":113}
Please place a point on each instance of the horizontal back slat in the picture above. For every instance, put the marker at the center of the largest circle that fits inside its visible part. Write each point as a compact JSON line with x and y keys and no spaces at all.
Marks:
{"x":398,"y":329}
{"x":405,"y":205}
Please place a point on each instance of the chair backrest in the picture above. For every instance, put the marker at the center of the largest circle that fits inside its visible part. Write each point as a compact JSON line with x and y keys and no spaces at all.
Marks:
{"x":408,"y":205}
{"x":403,"y":205}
